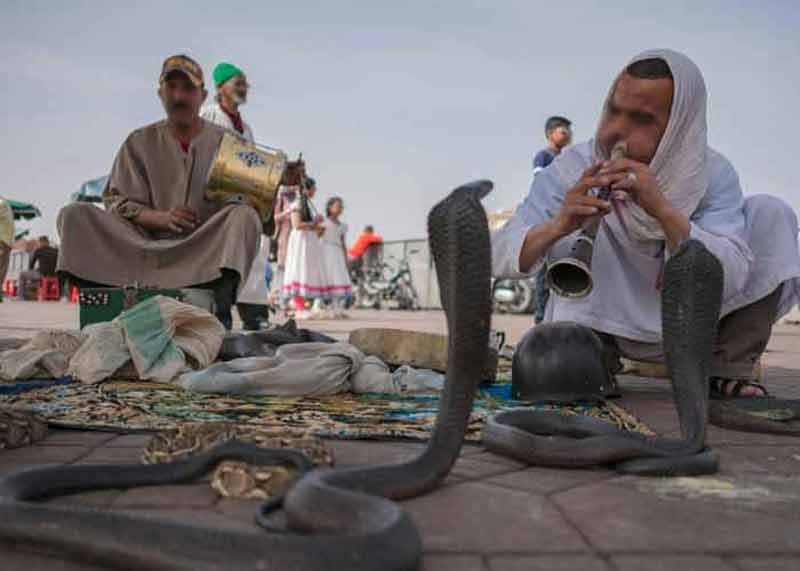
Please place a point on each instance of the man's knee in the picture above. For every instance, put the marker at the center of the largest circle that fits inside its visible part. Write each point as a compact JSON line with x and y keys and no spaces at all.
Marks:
{"x":768,"y":210}
{"x":245,"y":214}
{"x":74,"y":216}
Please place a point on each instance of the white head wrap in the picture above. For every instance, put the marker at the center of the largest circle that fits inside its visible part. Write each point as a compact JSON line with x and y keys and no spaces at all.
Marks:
{"x":679,"y":164}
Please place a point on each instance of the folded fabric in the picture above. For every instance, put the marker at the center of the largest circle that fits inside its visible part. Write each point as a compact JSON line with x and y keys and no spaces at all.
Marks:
{"x":303,"y":369}
{"x":309,"y":369}
{"x":45,"y":356}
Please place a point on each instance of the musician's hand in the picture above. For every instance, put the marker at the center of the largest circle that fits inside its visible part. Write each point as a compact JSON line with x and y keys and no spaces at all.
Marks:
{"x":638,"y":182}
{"x":180,"y":220}
{"x":577,"y":206}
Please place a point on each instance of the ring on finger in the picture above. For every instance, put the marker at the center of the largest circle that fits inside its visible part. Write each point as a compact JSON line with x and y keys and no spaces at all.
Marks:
{"x":632,"y":176}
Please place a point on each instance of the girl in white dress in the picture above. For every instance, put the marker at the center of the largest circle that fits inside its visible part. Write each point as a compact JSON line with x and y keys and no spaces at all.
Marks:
{"x":303,"y":277}
{"x":339,"y":287}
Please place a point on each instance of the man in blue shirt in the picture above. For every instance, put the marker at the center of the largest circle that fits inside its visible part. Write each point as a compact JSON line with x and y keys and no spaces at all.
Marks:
{"x":558,"y":131}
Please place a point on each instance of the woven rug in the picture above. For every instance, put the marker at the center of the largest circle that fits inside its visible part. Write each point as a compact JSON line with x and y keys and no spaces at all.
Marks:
{"x":233,"y":479}
{"x":138,"y":406}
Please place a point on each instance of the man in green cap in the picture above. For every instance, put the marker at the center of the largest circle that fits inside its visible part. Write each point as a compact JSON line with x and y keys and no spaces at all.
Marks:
{"x":232,"y":87}
{"x":158,"y":228}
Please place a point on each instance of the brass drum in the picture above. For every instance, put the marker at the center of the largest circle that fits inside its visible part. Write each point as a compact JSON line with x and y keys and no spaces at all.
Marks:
{"x":246,"y":173}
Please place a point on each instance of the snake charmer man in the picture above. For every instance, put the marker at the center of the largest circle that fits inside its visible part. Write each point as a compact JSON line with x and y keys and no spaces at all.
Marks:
{"x":671,"y":186}
{"x":159,"y":229}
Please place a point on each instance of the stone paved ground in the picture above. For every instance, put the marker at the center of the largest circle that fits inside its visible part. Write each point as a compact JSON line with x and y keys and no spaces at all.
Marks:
{"x":495,"y":514}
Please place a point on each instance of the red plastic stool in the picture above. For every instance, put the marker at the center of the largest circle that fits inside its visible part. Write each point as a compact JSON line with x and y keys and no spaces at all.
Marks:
{"x":10,"y":288}
{"x":48,"y":289}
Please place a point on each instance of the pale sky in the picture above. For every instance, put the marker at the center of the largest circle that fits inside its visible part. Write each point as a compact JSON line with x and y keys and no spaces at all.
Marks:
{"x":392,"y":103}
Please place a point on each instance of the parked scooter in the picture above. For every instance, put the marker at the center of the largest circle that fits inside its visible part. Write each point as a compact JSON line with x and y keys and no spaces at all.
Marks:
{"x":514,"y":296}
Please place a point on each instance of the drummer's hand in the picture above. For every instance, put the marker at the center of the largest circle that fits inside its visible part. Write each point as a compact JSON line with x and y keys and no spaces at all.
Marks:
{"x":181,"y":219}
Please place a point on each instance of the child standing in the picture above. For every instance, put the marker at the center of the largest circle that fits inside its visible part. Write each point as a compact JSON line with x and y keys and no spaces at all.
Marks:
{"x":339,"y":288}
{"x":303,"y":277}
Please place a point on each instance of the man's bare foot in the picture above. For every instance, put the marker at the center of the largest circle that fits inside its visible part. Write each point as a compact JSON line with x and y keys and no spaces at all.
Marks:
{"x":736,"y":388}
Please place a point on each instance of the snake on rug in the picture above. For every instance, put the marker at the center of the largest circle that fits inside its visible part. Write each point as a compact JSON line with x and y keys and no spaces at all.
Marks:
{"x":690,"y":306}
{"x":339,"y":519}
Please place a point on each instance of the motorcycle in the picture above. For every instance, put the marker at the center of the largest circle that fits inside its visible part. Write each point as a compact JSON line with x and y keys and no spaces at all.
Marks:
{"x":514,"y":296}
{"x":379,"y":284}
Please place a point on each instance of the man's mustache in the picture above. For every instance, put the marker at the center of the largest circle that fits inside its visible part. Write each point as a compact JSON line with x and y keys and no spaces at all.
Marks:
{"x":179,"y":105}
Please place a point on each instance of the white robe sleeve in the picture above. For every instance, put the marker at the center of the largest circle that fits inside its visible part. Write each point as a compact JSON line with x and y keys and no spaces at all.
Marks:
{"x":542,"y":203}
{"x":719,"y":223}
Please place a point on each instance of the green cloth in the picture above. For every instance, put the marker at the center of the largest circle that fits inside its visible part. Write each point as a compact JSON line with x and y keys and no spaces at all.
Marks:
{"x":224,"y":71}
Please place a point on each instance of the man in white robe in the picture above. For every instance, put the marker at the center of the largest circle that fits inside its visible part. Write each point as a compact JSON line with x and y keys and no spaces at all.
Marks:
{"x":232,"y":88}
{"x":672,"y":186}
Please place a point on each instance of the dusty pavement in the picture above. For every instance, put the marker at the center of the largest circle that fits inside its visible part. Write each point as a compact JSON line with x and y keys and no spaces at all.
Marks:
{"x":499,"y":515}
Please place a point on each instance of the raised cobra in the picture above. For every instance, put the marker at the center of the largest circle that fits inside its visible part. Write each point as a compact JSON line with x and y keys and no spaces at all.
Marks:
{"x":691,"y":299}
{"x":346,"y":518}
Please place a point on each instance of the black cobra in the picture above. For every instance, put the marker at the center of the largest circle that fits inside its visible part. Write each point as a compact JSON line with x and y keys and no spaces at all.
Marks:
{"x":345,"y":519}
{"x":691,"y":299}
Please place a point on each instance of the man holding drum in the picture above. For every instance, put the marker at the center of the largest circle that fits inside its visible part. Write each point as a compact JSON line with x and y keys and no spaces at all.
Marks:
{"x":232,"y":87}
{"x":159,"y":229}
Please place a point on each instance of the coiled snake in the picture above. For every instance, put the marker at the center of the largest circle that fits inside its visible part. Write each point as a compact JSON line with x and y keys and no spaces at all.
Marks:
{"x":691,"y":299}
{"x":343,"y":519}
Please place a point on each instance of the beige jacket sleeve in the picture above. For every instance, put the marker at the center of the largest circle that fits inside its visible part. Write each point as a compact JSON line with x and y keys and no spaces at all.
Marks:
{"x":127,"y":191}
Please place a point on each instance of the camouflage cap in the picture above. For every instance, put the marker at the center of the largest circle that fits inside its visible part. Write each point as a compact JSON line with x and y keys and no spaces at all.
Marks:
{"x":184,"y":64}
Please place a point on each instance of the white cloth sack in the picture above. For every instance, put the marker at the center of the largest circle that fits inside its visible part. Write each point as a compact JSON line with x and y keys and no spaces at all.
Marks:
{"x":161,"y":335}
{"x":101,"y":355}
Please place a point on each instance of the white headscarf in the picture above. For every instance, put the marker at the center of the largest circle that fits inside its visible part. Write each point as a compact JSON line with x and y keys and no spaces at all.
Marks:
{"x":679,"y":164}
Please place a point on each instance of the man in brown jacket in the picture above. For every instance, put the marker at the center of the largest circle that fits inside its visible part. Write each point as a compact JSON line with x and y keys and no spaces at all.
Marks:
{"x":158,"y":228}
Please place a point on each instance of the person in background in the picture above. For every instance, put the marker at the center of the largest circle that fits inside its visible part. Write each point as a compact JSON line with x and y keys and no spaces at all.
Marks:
{"x":6,"y":238}
{"x":231,"y":83}
{"x":44,"y":258}
{"x":232,"y":88}
{"x":303,"y":278}
{"x":367,"y":238}
{"x":283,"y":228}
{"x":558,"y":132}
{"x":42,"y":264}
{"x":334,"y":257}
